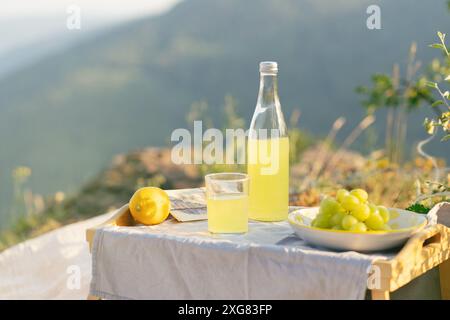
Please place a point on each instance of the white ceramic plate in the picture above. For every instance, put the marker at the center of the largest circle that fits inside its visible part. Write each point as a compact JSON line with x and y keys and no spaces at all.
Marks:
{"x":406,"y":224}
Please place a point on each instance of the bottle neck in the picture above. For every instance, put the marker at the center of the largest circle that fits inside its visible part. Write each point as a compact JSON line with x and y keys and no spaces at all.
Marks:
{"x":268,"y":91}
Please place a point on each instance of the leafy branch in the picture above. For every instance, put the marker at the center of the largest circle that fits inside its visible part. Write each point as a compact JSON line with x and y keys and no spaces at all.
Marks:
{"x":442,"y":70}
{"x":399,"y":94}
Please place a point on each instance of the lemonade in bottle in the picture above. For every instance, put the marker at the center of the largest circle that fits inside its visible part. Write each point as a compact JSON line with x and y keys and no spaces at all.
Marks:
{"x":268,"y":152}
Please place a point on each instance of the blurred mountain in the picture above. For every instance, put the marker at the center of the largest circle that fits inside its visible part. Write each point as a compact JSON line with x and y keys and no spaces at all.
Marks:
{"x":131,"y":86}
{"x":23,"y":56}
{"x":29,"y":39}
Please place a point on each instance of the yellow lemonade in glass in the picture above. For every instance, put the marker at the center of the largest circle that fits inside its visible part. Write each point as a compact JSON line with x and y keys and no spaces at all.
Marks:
{"x":227,"y":213}
{"x":268,"y":169}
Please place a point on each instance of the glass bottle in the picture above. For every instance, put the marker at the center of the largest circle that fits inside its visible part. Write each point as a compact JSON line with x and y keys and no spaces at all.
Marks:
{"x":268,"y":152}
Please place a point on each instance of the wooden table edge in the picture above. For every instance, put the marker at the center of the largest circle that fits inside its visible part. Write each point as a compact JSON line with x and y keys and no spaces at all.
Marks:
{"x":427,"y":249}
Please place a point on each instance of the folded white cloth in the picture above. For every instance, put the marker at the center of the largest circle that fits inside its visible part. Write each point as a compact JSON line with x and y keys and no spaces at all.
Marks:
{"x":440,"y":213}
{"x":183,"y":261}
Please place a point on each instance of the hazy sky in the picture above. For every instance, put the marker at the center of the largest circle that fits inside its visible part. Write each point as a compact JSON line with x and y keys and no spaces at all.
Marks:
{"x":42,"y":24}
{"x":23,"y":22}
{"x":111,"y":8}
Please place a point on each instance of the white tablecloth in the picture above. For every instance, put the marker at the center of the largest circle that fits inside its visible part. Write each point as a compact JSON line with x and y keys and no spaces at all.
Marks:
{"x":183,"y":261}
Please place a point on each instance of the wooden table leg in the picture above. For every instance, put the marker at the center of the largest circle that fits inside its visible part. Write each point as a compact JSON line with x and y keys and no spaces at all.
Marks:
{"x":444,"y":275}
{"x":380,"y":295}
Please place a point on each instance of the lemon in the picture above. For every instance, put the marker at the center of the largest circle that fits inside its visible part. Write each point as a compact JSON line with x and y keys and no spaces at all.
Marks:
{"x":150,"y":205}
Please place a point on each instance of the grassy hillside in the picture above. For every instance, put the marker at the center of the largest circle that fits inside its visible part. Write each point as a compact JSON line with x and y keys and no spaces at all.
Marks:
{"x":130,"y":87}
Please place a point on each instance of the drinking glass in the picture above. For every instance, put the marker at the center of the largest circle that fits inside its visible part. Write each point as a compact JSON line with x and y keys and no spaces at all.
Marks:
{"x":227,"y":202}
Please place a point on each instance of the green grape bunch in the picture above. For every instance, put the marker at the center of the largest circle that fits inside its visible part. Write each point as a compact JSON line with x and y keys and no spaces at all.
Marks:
{"x":352,"y":211}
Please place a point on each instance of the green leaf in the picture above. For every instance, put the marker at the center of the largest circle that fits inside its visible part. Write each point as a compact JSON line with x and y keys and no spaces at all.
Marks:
{"x":418,"y":208}
{"x":441,"y":36}
{"x":446,"y":137}
{"x":437,"y":103}
{"x":431,"y":84}
{"x":446,"y":94}
{"x":447,"y":78}
{"x":436,"y":46}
